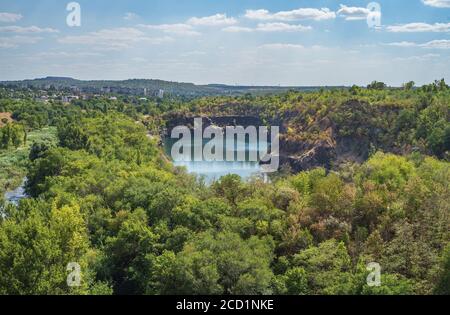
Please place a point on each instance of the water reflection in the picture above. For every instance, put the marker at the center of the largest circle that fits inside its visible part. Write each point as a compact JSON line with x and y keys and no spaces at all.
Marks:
{"x":213,"y":170}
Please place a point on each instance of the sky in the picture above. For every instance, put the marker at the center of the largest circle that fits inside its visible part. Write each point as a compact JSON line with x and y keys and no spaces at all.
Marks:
{"x":244,"y":42}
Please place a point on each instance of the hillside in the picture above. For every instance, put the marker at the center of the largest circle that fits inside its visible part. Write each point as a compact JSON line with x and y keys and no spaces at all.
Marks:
{"x":143,"y":86}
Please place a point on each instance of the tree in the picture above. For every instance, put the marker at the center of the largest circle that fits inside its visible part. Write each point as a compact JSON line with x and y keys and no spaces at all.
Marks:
{"x":387,"y":169}
{"x":107,"y":198}
{"x":354,"y":90}
{"x":211,"y":264}
{"x":39,"y":149}
{"x":126,"y":263}
{"x":229,"y":187}
{"x":375,"y":85}
{"x":443,"y":284}
{"x":441,"y":85}
{"x":296,"y":281}
{"x":409,"y":85}
{"x":328,"y":268}
{"x":12,"y":135}
{"x":36,"y":246}
{"x":390,"y":285}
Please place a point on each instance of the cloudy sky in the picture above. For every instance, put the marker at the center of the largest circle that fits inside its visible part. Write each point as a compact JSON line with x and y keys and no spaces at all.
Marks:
{"x":251,"y":42}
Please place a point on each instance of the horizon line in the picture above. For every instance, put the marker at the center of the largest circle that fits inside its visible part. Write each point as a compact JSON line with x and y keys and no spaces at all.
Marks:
{"x":196,"y":84}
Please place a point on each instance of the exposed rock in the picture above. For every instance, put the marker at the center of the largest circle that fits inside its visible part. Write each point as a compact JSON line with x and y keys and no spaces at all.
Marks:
{"x":325,"y":146}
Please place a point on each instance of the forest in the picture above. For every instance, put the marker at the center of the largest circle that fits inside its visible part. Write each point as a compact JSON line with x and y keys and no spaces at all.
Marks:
{"x":103,"y":194}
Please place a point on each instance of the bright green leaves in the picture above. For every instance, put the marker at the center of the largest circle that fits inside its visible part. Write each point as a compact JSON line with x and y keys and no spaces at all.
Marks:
{"x":221,"y":263}
{"x":35,"y":251}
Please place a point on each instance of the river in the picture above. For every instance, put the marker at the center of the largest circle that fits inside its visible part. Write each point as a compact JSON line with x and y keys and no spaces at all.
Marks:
{"x":17,"y":194}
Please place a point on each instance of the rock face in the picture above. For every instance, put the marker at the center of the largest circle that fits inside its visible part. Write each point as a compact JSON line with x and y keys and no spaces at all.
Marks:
{"x":301,"y":156}
{"x":330,"y":149}
{"x":321,"y":153}
{"x":327,"y":150}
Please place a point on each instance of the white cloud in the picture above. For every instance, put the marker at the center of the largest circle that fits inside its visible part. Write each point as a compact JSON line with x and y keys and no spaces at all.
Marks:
{"x":113,"y":39}
{"x":419,"y":27}
{"x":15,"y":41}
{"x":279,"y":46}
{"x":188,"y":27}
{"x":269,"y":27}
{"x":178,"y":29}
{"x":437,"y":3}
{"x":401,"y":44}
{"x":9,"y":17}
{"x":260,"y":14}
{"x":437,"y":44}
{"x":426,"y":57}
{"x":353,"y":13}
{"x":238,"y":29}
{"x":434,"y":44}
{"x":213,"y":20}
{"x":298,"y":14}
{"x":282,"y":27}
{"x":26,"y":30}
{"x":130,"y":16}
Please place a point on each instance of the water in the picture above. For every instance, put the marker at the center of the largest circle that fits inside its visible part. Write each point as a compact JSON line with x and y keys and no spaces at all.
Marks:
{"x":213,"y":170}
{"x":17,"y":194}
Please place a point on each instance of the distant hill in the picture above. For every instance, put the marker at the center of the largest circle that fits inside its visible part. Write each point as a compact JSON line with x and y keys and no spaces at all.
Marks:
{"x":146,"y":87}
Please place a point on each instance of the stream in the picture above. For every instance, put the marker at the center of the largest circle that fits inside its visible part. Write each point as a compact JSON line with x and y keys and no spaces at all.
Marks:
{"x":17,"y":194}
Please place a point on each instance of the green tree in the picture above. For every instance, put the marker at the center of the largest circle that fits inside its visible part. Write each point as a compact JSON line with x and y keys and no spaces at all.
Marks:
{"x":390,"y":285}
{"x":409,"y":85}
{"x":126,"y":264}
{"x":210,"y":264}
{"x":36,"y":245}
{"x":328,"y":268}
{"x":443,"y":284}
{"x":375,"y":85}
{"x":296,"y":281}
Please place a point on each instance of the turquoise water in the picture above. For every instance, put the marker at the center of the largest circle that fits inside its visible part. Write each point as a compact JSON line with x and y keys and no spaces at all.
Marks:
{"x":213,"y":170}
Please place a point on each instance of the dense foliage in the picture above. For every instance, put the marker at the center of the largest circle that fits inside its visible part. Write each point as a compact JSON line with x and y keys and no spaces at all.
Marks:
{"x":400,"y":121}
{"x":107,"y":198}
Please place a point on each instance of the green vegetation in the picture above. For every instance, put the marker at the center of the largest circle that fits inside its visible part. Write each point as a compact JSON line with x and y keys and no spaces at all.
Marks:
{"x":137,"y":86}
{"x":392,"y":120}
{"x":103,"y":195}
{"x":14,"y":160}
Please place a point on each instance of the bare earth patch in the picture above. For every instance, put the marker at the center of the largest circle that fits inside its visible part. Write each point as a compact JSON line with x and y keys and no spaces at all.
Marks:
{"x":5,"y":118}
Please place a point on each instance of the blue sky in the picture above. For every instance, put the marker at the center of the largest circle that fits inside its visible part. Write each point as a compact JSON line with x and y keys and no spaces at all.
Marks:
{"x":251,"y":42}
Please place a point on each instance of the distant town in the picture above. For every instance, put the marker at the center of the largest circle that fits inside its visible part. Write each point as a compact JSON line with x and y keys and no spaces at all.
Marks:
{"x":69,"y":89}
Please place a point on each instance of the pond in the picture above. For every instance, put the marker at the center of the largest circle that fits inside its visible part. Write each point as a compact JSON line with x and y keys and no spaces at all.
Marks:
{"x":213,"y":170}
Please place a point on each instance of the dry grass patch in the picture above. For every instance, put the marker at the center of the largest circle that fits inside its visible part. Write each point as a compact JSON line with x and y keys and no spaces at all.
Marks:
{"x":5,"y":118}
